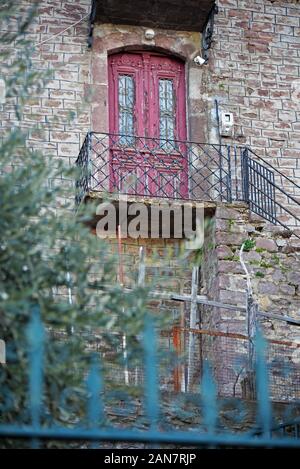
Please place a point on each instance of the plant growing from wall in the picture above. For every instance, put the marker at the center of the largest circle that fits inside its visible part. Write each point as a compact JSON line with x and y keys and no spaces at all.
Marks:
{"x":249,"y":244}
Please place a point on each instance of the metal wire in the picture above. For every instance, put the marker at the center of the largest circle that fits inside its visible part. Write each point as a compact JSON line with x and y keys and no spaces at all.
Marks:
{"x":227,"y":354}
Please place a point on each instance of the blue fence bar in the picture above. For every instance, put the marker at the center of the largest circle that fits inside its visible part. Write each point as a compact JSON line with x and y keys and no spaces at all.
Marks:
{"x":209,"y":400}
{"x":36,"y":337}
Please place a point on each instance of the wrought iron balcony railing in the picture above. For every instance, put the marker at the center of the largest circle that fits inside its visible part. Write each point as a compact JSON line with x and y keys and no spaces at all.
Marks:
{"x":153,"y":167}
{"x":173,"y":169}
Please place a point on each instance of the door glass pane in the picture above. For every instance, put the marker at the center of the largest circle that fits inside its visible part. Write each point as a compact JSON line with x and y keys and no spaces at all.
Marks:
{"x":166,"y":113}
{"x":126,"y":109}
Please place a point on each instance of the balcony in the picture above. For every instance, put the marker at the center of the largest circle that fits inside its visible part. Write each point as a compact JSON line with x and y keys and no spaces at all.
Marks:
{"x":184,"y":15}
{"x":153,"y":168}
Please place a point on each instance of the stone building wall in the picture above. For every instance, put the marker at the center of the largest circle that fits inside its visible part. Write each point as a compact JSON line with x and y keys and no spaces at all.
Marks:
{"x":254,"y":71}
{"x":68,"y":57}
{"x":273,"y":263}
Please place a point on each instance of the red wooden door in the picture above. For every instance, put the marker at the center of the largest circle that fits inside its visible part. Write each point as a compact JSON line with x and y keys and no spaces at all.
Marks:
{"x":147,"y":115}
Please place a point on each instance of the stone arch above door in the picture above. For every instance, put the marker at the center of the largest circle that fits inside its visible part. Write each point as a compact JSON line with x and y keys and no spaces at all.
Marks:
{"x":110,"y":39}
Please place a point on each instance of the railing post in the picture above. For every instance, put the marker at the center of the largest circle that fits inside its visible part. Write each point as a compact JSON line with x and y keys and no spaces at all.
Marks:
{"x":88,"y":161}
{"x":229,"y":181}
{"x":221,"y":173}
{"x":245,"y":175}
{"x":82,"y":184}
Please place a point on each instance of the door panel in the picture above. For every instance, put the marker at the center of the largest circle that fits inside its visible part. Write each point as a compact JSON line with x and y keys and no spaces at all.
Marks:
{"x":167,"y":74}
{"x":147,"y":99}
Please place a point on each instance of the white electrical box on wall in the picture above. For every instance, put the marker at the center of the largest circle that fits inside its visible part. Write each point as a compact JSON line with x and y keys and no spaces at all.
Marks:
{"x":226,"y":124}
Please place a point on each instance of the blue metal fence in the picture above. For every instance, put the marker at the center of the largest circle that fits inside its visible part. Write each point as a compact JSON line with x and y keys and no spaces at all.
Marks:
{"x":94,"y":430}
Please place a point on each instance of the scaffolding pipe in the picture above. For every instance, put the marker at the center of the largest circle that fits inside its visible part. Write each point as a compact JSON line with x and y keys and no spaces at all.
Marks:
{"x":193,"y":320}
{"x":121,"y":280}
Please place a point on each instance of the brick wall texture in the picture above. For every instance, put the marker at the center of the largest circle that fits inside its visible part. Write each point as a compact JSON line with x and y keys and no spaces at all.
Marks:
{"x":253,"y":71}
{"x":254,"y":67}
{"x":273,"y":265}
{"x":68,"y":57}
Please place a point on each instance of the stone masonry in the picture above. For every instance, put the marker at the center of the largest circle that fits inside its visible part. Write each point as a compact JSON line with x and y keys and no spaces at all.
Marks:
{"x":253,"y":71}
{"x":272,"y":260}
{"x":68,"y":57}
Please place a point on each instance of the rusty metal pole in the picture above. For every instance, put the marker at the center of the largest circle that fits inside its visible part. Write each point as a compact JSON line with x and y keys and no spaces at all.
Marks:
{"x":177,"y":348}
{"x":192,"y":325}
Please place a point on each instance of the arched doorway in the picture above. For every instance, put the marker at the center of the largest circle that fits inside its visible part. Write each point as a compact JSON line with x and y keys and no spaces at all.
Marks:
{"x":147,"y":123}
